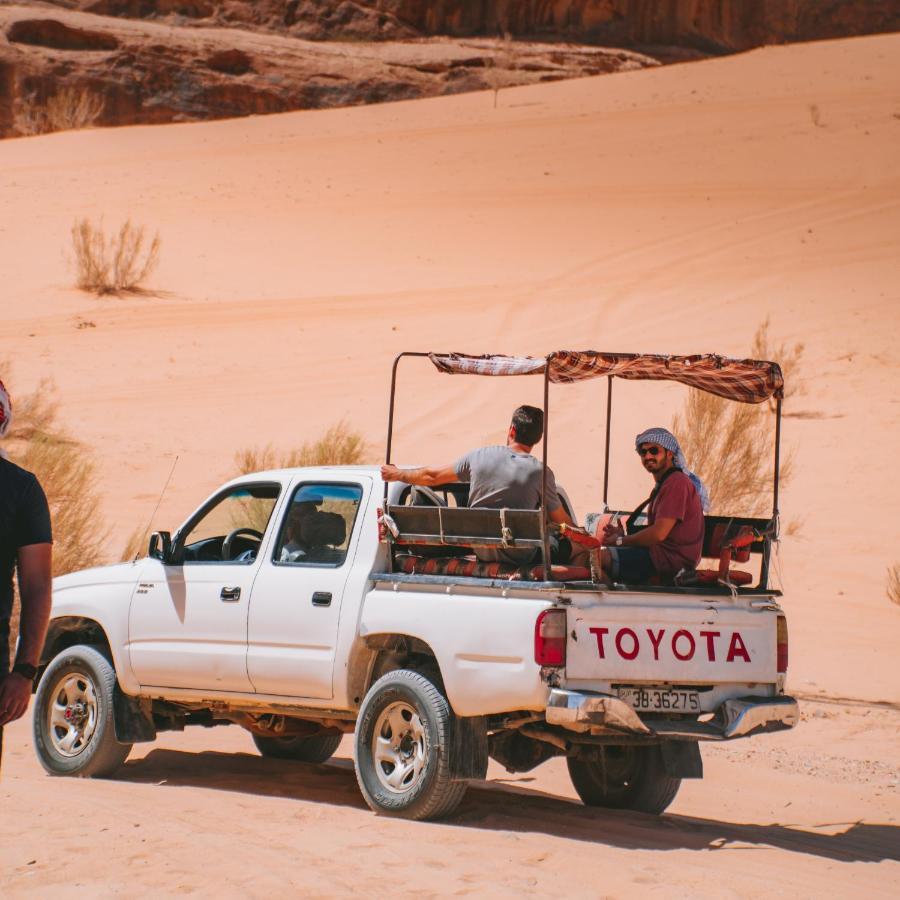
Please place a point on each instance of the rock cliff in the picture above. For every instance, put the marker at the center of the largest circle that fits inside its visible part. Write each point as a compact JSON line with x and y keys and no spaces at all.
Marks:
{"x":708,"y":25}
{"x":64,"y":63}
{"x":66,"y":68}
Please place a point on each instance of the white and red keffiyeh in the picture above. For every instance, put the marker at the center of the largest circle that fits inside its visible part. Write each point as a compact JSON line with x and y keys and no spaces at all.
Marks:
{"x":5,"y":410}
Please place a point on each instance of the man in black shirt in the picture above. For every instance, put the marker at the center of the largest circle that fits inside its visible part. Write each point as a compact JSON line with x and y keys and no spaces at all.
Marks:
{"x":25,"y":545}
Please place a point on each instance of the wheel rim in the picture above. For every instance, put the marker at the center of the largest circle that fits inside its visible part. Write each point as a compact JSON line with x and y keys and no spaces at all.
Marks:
{"x":72,"y":714}
{"x":398,"y":747}
{"x":622,"y":764}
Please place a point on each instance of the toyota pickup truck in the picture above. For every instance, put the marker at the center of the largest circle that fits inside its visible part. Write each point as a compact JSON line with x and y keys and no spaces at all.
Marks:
{"x":305,"y":604}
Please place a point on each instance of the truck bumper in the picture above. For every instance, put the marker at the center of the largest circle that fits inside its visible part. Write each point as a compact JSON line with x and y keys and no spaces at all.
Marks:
{"x":604,"y":714}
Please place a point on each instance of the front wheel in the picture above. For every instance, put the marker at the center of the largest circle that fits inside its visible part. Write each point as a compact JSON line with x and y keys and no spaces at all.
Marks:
{"x":625,"y":777}
{"x":74,"y":727}
{"x":403,"y":747}
{"x":315,"y":749}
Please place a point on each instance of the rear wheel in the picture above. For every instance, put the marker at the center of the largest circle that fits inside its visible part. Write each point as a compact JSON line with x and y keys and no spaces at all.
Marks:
{"x":625,"y":777}
{"x":315,"y":749}
{"x":403,"y":747}
{"x":74,"y":726}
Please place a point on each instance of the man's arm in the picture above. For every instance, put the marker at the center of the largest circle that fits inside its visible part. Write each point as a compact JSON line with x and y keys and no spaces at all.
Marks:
{"x":427,"y":476}
{"x":560,"y":516}
{"x":33,"y":565}
{"x":652,"y":534}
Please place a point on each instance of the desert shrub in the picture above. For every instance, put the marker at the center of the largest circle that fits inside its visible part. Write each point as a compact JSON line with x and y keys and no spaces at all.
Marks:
{"x":789,"y":358}
{"x":339,"y":446}
{"x":37,"y":442}
{"x":116,"y":264}
{"x":500,"y":65}
{"x":893,"y":584}
{"x":68,"y":109}
{"x":731,"y":446}
{"x":135,"y":545}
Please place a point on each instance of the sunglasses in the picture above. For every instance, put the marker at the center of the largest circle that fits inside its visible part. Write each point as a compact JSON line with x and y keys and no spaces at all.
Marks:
{"x":650,"y":451}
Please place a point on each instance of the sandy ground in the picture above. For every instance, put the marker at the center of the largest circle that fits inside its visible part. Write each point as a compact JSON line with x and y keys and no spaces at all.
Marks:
{"x":811,"y":813}
{"x":668,"y":210}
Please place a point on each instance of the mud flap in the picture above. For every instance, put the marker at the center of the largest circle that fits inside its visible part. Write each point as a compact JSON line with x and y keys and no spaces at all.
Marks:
{"x":681,"y":759}
{"x":469,"y":751}
{"x":133,"y":718}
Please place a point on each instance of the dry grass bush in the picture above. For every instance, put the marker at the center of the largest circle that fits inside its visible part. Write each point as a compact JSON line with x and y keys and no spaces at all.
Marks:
{"x":135,"y":546}
{"x":67,"y":110}
{"x":893,"y":584}
{"x":501,"y":64}
{"x":339,"y":446}
{"x":37,"y":442}
{"x":731,"y":446}
{"x":789,"y":358}
{"x":116,"y":264}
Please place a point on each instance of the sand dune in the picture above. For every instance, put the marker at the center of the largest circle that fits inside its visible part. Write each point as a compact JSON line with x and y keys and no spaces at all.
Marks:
{"x":668,"y":210}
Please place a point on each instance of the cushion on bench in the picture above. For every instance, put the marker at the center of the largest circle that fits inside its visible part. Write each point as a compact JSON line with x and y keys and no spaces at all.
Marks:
{"x":473,"y":568}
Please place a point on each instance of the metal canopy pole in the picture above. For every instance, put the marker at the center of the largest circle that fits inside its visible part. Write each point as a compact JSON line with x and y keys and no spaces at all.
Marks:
{"x":545,"y":533}
{"x":390,"y":428}
{"x":767,"y":547}
{"x":609,"y":383}
{"x":777,"y":455}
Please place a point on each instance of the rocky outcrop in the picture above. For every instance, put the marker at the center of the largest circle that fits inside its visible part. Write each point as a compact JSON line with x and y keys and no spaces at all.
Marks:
{"x":131,"y":61}
{"x":62,"y":69}
{"x":708,"y":25}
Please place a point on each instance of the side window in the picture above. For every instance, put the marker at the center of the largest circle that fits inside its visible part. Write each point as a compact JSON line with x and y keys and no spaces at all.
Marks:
{"x":318,"y":524}
{"x":232,"y":529}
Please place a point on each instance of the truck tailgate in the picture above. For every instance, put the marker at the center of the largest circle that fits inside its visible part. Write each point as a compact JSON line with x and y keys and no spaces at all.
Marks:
{"x":677,"y":644}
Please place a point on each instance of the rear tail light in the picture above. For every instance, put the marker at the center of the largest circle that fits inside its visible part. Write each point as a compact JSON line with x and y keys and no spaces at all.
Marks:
{"x":550,"y":638}
{"x":781,"y":644}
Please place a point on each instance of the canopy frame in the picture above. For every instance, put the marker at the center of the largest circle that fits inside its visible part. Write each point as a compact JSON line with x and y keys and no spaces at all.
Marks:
{"x":515,"y":366}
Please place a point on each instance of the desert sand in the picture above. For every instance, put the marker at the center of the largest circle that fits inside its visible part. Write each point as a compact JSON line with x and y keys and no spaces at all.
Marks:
{"x":667,"y":210}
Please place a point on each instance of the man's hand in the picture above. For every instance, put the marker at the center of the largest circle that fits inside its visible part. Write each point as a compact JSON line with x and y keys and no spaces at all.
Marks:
{"x":429,"y":476}
{"x":15,"y":692}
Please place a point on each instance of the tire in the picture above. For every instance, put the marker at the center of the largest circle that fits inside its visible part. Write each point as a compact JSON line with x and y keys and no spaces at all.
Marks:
{"x":74,"y":726}
{"x":635,"y":778}
{"x":407,"y":776}
{"x":315,"y":749}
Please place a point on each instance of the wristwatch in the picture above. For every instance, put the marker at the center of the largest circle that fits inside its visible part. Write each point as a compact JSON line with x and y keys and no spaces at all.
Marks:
{"x":26,"y":670}
{"x":619,"y":540}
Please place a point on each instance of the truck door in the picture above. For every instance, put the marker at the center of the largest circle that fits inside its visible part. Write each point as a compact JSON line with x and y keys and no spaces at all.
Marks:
{"x":188,"y":621}
{"x":296,"y":602}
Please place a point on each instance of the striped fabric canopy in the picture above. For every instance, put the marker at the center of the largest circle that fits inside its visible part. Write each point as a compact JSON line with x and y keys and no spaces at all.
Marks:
{"x":745,"y":380}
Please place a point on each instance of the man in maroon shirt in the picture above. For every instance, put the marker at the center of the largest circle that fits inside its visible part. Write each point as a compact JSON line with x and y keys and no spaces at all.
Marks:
{"x":673,"y":538}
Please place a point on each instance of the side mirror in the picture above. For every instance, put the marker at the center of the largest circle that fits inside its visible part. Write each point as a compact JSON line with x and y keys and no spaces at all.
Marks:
{"x":160,"y":546}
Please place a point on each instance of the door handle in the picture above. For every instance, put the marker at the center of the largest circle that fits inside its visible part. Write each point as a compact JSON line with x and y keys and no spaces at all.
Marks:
{"x":321,"y":598}
{"x":230,"y":594}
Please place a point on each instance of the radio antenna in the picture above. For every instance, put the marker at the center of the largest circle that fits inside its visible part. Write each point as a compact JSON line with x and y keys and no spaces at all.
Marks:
{"x":162,"y":494}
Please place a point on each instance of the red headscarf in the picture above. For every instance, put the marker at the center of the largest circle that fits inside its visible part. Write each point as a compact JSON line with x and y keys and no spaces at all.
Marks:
{"x":5,"y":410}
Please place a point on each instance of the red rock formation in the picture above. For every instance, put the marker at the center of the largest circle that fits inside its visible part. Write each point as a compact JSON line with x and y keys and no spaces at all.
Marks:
{"x":710,"y":25}
{"x":148,"y":72}
{"x":168,"y":60}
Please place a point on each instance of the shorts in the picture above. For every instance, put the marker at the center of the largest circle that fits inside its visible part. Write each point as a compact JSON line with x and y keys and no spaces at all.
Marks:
{"x":631,"y":565}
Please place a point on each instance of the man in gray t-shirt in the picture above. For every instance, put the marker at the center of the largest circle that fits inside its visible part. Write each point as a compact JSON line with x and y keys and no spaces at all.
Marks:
{"x":499,"y":477}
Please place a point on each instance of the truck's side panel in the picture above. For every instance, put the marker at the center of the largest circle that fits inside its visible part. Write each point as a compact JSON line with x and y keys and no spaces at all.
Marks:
{"x":484,"y":644}
{"x":102,"y":595}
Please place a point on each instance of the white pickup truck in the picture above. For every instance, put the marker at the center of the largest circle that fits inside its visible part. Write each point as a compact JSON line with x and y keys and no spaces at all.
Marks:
{"x":278,"y":606}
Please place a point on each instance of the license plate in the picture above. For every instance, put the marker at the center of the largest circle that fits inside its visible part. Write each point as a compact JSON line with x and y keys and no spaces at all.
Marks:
{"x":652,"y":699}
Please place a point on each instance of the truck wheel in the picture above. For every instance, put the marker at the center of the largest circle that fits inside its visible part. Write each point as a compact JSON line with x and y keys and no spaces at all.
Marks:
{"x":315,"y":749}
{"x":627,"y":777}
{"x":402,"y":748}
{"x":74,"y":729}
